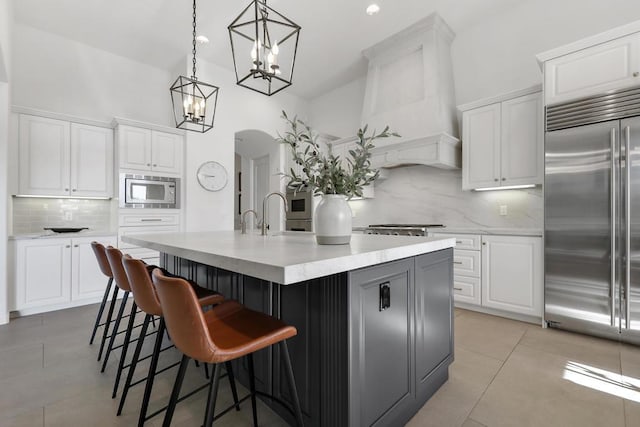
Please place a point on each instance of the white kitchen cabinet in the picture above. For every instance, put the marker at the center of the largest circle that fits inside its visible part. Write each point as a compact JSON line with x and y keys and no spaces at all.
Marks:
{"x":512,"y":274}
{"x":54,"y":273}
{"x":597,"y":69}
{"x":467,"y":267}
{"x":87,"y":281}
{"x":91,"y":161}
{"x":44,"y":156}
{"x":59,"y":158}
{"x":149,"y":150}
{"x":503,"y":143}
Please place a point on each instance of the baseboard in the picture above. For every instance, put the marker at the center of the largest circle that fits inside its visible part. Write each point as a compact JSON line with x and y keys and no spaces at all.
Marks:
{"x":55,"y":307}
{"x":509,"y":315}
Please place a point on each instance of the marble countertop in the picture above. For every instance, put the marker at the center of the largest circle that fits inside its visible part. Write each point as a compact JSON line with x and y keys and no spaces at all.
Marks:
{"x":490,"y":231}
{"x":287,"y":257}
{"x":51,"y":235}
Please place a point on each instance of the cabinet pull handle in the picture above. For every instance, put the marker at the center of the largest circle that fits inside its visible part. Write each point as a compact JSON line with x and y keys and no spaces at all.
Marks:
{"x":636,"y":74}
{"x":457,"y":262}
{"x":458,"y":241}
{"x":66,"y":189}
{"x":74,"y":189}
{"x":385,"y":296}
{"x":484,"y":243}
{"x":495,"y":179}
{"x":504,"y":179}
{"x":148,"y":164}
{"x":151,"y":219}
{"x":457,"y":289}
{"x":154,"y":165}
{"x":67,"y":246}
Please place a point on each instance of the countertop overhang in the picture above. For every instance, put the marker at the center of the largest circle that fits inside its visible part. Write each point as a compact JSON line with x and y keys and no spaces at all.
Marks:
{"x":288,"y":257}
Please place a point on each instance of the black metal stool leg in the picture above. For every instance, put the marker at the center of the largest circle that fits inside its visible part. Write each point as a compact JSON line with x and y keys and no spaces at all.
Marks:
{"x":252,"y":388}
{"x":284,"y":350}
{"x":152,"y":373}
{"x":134,"y":362}
{"x":107,"y":322}
{"x":114,"y":332}
{"x":175,"y":393}
{"x":213,"y":395}
{"x":107,"y":291}
{"x":125,"y":346}
{"x":232,"y":384}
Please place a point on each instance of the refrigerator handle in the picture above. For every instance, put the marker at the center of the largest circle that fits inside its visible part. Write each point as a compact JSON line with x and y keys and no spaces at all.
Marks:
{"x":627,"y":285}
{"x":612,"y":295}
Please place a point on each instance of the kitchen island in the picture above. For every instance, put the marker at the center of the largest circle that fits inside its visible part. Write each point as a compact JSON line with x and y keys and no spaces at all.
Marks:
{"x":374,"y":318}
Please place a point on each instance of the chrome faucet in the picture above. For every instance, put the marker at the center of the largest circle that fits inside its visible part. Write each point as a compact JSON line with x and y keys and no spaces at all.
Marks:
{"x":243,"y":221}
{"x":265,"y":212}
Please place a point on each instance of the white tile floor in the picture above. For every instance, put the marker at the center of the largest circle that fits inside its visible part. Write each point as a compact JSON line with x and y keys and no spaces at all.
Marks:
{"x":506,"y":373}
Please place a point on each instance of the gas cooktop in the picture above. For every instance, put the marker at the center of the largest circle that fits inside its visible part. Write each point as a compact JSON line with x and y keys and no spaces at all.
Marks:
{"x":401,"y":229}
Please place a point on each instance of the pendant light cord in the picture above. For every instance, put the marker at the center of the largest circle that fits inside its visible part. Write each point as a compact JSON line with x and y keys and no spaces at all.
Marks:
{"x":194,"y":40}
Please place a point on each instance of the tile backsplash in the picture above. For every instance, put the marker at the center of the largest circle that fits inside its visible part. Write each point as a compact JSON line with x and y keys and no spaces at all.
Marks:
{"x":31,"y":215}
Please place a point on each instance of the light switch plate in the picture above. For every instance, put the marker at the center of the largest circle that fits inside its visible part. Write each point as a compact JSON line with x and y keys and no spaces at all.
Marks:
{"x":503,"y":210}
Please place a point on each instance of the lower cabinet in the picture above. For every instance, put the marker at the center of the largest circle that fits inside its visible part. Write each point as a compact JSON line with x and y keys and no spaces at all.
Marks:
{"x":401,"y":319}
{"x":54,"y":272}
{"x":512,"y":274}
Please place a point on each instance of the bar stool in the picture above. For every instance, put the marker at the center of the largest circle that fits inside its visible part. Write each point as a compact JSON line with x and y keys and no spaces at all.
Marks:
{"x":105,"y":268}
{"x":226,"y":332}
{"x":146,"y":298}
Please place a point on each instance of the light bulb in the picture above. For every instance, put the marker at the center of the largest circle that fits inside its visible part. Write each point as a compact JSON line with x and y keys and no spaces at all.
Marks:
{"x":254,"y":53}
{"x":275,"y":49}
{"x":373,"y":9}
{"x":202,"y":108}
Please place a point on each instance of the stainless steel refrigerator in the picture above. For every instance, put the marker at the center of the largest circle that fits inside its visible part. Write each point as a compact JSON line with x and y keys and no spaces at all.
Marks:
{"x":592,"y":215}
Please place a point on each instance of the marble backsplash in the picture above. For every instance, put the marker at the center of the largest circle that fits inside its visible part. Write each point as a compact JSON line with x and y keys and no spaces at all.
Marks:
{"x":420,"y":194}
{"x":31,"y":215}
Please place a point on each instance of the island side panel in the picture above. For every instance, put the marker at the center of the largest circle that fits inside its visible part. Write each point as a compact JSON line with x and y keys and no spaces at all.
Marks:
{"x":319,"y":353}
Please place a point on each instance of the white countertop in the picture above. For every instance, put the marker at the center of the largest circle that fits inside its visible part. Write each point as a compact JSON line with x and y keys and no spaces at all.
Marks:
{"x":288,"y":257}
{"x":490,"y":231}
{"x":51,"y":235}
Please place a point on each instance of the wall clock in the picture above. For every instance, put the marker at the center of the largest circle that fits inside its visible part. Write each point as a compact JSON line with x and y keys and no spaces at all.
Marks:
{"x":212,"y":176}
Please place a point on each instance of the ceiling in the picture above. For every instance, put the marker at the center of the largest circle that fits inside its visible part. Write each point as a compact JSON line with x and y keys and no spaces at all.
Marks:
{"x":334,"y":32}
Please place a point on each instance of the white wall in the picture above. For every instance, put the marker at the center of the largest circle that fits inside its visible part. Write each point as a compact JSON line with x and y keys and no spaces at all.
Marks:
{"x":498,"y":55}
{"x":6,"y":24}
{"x":238,"y":109}
{"x":339,"y":111}
{"x":53,"y":73}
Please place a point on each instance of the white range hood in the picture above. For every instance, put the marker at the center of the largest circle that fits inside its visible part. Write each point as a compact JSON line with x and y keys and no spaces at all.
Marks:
{"x":410,"y":88}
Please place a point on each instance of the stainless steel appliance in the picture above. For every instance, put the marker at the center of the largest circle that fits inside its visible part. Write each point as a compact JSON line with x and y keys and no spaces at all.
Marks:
{"x":142,"y":191}
{"x":300,"y":205}
{"x":401,"y":229}
{"x":592,"y":215}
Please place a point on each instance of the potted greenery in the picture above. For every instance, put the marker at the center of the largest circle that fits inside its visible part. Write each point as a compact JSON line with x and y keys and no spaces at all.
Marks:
{"x":336,"y":180}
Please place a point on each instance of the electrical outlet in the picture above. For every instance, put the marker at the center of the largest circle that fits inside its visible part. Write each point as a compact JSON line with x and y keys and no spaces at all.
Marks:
{"x":68,"y":215}
{"x":503,"y":210}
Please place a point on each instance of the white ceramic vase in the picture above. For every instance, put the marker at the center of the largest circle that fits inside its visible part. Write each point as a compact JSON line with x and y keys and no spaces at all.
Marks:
{"x":333,"y":220}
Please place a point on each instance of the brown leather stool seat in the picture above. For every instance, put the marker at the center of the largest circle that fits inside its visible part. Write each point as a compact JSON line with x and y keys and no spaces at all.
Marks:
{"x":226,"y":332}
{"x":137,"y":274}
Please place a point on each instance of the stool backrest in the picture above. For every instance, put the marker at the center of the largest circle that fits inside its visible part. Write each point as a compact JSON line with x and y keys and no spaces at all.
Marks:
{"x":143,"y":290}
{"x":115,"y":261}
{"x":184,"y":316}
{"x":101,"y":256}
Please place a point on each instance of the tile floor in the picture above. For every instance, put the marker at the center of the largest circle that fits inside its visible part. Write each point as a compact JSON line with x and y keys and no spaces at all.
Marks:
{"x":506,"y":373}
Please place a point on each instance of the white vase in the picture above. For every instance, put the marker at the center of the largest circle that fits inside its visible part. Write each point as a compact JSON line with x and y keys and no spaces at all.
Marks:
{"x":333,"y":220}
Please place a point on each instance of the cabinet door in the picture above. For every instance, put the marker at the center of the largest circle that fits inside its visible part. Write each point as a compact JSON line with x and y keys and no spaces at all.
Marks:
{"x":466,"y":289}
{"x":134,"y":148}
{"x":44,"y":156}
{"x":91,"y":161}
{"x":481,"y":147}
{"x":522,"y":141}
{"x":598,"y":69}
{"x":87,"y":281}
{"x":433,"y":314}
{"x":166,"y":152}
{"x":381,"y":337}
{"x":43,"y":272}
{"x":512,"y":274}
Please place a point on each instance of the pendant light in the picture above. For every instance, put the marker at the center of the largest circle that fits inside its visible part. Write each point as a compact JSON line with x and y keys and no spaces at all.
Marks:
{"x":194,"y":102}
{"x":264,"y":45}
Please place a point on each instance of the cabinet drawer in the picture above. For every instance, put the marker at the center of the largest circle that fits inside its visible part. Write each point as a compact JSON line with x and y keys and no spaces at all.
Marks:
{"x":463,"y":241}
{"x":132,"y":220}
{"x":466,"y":289}
{"x":131,"y":231}
{"x":466,"y":263}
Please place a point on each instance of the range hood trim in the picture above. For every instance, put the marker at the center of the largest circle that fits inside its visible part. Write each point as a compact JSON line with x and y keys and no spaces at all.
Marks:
{"x":447,"y":156}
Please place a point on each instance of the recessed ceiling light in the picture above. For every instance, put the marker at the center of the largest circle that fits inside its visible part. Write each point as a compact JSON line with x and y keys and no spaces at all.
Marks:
{"x":373,"y":9}
{"x":202,"y":39}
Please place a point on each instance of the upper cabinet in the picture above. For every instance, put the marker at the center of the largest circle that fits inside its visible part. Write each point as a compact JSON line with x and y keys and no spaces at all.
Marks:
{"x":503,"y":141}
{"x":59,"y":158}
{"x":149,"y":150}
{"x":596,"y":69}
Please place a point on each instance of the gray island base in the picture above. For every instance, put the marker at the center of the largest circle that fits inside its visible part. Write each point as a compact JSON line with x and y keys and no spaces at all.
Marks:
{"x":374,"y":343}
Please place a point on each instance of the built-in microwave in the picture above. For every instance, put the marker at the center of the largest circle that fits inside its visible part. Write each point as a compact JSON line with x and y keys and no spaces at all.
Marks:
{"x":300,"y":204}
{"x":143,"y":191}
